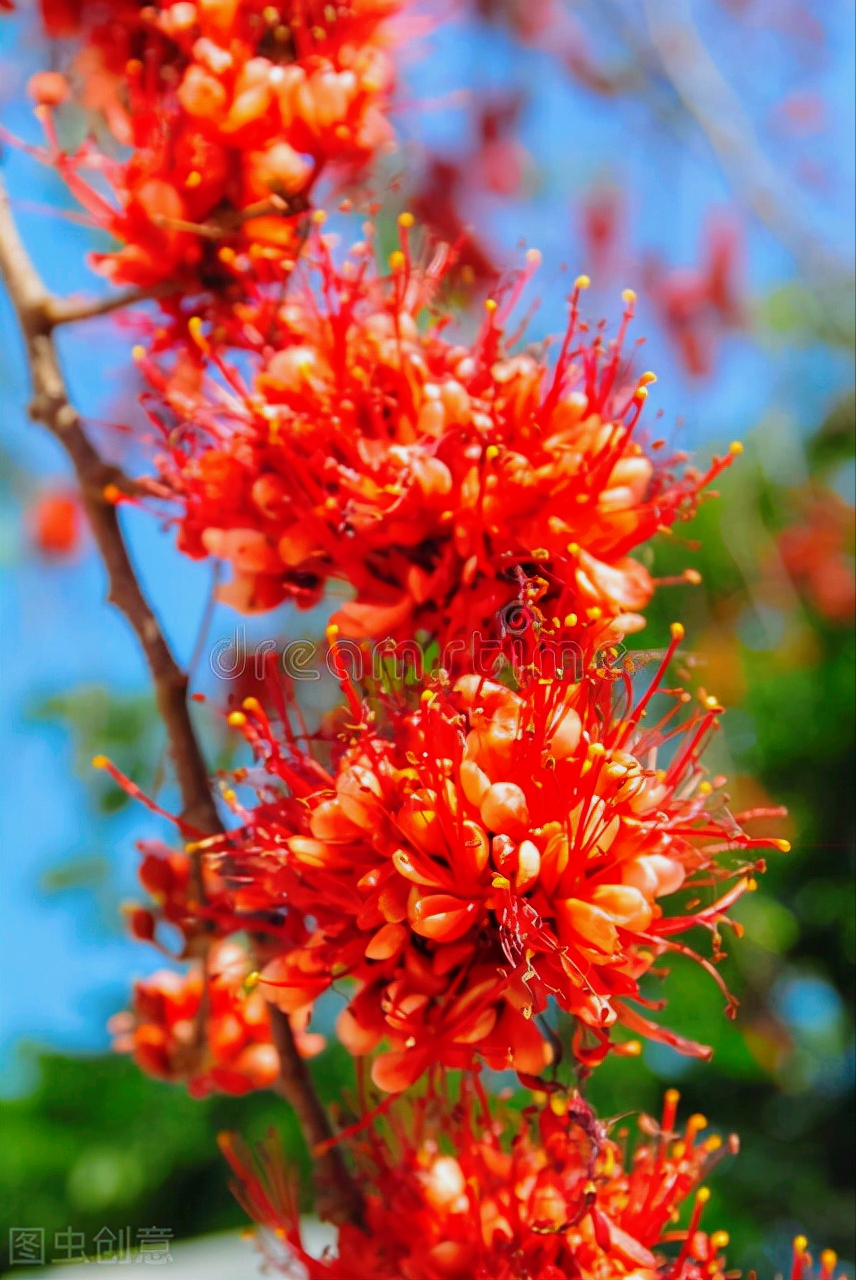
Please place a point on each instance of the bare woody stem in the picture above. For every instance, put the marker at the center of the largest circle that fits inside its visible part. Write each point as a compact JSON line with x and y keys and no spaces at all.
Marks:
{"x":72,"y":310}
{"x":51,"y":406}
{"x":337,"y":1196}
{"x":38,"y":313}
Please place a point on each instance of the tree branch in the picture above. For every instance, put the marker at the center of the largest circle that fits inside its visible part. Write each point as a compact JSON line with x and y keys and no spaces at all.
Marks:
{"x":51,"y":405}
{"x":70,"y":310}
{"x":38,"y":313}
{"x":338,"y":1199}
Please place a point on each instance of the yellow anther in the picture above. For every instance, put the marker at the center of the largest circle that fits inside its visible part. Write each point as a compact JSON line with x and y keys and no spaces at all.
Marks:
{"x":571,"y":619}
{"x":533,"y":257}
{"x":582,"y":282}
{"x":696,"y":1123}
{"x":397,"y":260}
{"x":800,"y":1244}
{"x":829,"y":1259}
{"x":490,"y":305}
{"x":406,"y":220}
{"x":720,"y":1240}
{"x":783,"y":846}
{"x":735,"y":448}
{"x":319,"y":217}
{"x":672,"y":1097}
{"x":677,"y":632}
{"x":629,"y":297}
{"x":252,"y":980}
{"x":500,"y":882}
{"x":573,"y":548}
{"x":226,"y":254}
{"x":702,"y":1195}
{"x":138,"y":352}
{"x":236,"y":719}
{"x":193,"y":179}
{"x":647,"y":379}
{"x":100,"y":762}
{"x":491,"y":452}
{"x":251,"y":704}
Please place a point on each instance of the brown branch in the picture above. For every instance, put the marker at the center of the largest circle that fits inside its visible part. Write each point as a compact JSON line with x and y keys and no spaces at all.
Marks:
{"x":338,"y":1199}
{"x":37,"y":311}
{"x":51,"y":405}
{"x":70,"y":310}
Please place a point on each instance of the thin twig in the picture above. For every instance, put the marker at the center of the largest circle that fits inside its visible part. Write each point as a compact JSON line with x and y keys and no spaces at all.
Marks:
{"x":339,"y":1198}
{"x":716,"y":108}
{"x":71,"y":310}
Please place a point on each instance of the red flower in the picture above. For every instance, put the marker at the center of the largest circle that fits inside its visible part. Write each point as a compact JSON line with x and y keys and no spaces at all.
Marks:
{"x":451,"y":1196}
{"x":445,"y":482}
{"x":818,"y":554}
{"x":55,"y":523}
{"x":802,"y":1263}
{"x":699,"y":306}
{"x":232,"y":113}
{"x":207,"y":1027}
{"x":469,"y":860}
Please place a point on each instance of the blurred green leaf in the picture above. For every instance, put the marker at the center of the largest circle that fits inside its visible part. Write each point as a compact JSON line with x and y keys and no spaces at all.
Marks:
{"x":76,"y":873}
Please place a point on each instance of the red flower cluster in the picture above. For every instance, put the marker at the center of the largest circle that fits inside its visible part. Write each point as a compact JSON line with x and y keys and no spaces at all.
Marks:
{"x":495,"y":164}
{"x":470,"y":859}
{"x":443,"y":480}
{"x":700,"y":306}
{"x":562,"y":1199}
{"x":206,"y":1027}
{"x":817,"y":551}
{"x":233,"y":108}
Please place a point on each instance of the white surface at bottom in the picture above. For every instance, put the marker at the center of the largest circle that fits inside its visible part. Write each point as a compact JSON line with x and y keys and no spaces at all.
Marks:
{"x":220,"y":1257}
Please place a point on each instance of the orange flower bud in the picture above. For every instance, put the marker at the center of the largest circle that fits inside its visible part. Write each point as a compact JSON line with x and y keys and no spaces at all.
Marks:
{"x":504,"y":809}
